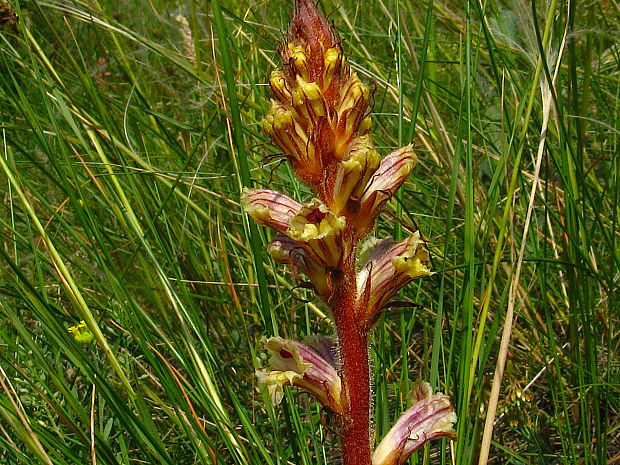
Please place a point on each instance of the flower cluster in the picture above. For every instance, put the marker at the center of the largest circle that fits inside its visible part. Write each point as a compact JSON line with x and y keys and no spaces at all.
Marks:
{"x":319,"y":119}
{"x":81,"y":333}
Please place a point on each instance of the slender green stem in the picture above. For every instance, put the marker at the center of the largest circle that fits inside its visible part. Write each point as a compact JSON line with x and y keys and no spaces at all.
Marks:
{"x":242,"y":160}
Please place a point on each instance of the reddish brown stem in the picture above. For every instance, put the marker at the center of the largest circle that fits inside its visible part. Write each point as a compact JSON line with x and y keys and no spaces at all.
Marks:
{"x":353,"y":341}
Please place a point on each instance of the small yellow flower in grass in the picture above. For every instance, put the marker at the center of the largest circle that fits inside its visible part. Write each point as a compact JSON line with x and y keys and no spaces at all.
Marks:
{"x":81,"y":333}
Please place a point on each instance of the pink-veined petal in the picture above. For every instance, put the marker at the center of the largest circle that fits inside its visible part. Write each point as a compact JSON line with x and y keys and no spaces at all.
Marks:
{"x":326,"y":347}
{"x":270,"y":208}
{"x":391,"y":174}
{"x":430,"y":416}
{"x":294,"y":364}
{"x":388,"y":268}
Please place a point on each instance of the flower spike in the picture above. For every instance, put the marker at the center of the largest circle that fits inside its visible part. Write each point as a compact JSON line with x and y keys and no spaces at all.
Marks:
{"x":320,"y":119}
{"x":430,"y":416}
{"x":293,"y":364}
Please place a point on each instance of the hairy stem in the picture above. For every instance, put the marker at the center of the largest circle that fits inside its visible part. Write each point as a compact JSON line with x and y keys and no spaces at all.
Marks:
{"x":353,"y":341}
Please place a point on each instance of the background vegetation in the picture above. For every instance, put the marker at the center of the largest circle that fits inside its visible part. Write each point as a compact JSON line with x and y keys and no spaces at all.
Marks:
{"x":127,"y":130}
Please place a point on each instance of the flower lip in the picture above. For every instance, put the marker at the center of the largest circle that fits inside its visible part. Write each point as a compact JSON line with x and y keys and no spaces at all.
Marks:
{"x":294,"y":364}
{"x":320,"y":232}
{"x":315,"y":221}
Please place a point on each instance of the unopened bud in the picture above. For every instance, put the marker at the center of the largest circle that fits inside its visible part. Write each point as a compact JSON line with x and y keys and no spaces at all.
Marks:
{"x":298,"y":60}
{"x":308,"y":100}
{"x":354,"y":95}
{"x":279,"y":86}
{"x":333,"y":64}
{"x":430,"y":416}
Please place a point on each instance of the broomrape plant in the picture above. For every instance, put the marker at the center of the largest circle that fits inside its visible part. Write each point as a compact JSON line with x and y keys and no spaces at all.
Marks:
{"x":320,"y":120}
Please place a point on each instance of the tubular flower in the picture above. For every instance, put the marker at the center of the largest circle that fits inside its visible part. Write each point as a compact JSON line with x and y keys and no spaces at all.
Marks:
{"x":294,"y":364}
{"x":285,"y":250}
{"x":348,"y":179}
{"x":312,"y":228}
{"x":270,"y":208}
{"x":388,"y":268}
{"x":430,"y":416}
{"x":390,"y":175}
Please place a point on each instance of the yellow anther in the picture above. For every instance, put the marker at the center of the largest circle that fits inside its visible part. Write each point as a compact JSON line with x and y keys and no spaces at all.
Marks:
{"x":332,"y":225}
{"x":278,"y":117}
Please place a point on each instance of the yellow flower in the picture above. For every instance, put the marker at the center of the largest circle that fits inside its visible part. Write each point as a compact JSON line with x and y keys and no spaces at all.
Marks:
{"x":81,"y":333}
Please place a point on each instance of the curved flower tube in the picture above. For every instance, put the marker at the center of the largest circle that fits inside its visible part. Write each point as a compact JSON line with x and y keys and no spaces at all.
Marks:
{"x":346,"y":182}
{"x":392,"y":173}
{"x":270,"y":208}
{"x":388,"y":268}
{"x":312,"y":226}
{"x":285,"y":250}
{"x":430,"y":416}
{"x":294,"y":364}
